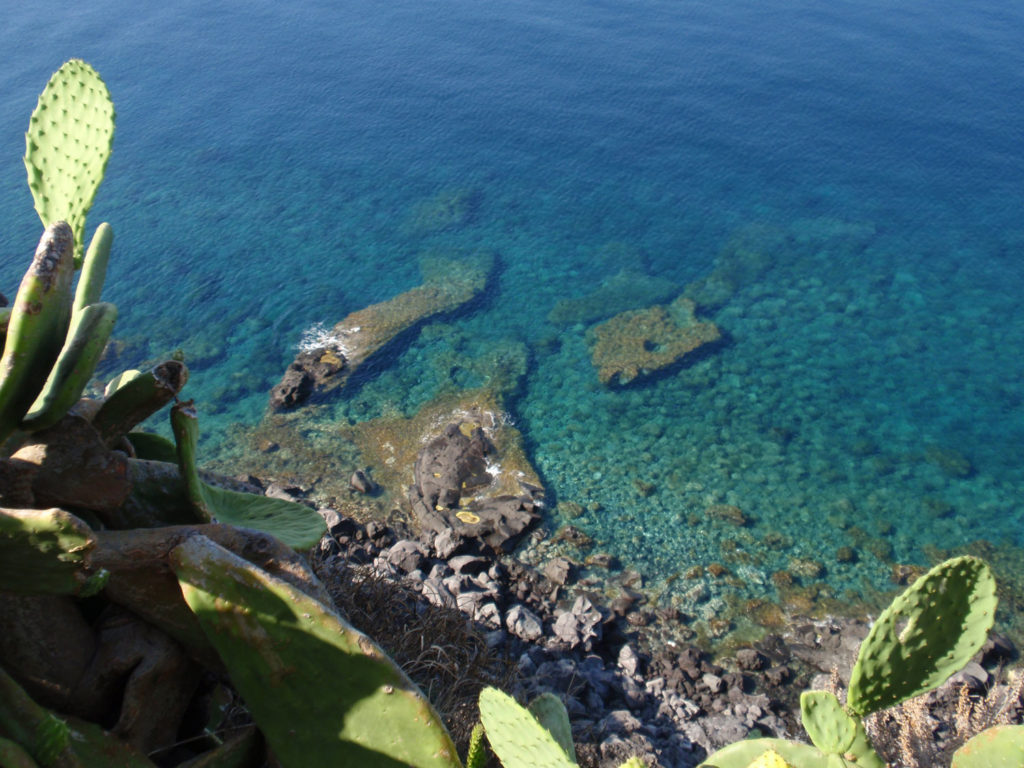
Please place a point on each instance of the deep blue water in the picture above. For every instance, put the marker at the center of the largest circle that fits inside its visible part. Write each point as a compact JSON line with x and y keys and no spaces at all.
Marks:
{"x":269,"y":158}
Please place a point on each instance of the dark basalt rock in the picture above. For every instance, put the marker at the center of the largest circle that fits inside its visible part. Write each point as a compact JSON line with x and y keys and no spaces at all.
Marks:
{"x":307,"y":373}
{"x":450,"y":475}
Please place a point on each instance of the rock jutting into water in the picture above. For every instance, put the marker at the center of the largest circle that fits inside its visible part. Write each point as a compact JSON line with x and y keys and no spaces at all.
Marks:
{"x":641,"y":341}
{"x":469,"y":469}
{"x":328,"y":359}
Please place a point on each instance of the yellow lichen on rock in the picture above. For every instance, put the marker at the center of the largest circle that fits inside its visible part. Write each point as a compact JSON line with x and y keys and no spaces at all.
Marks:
{"x":645,"y":340}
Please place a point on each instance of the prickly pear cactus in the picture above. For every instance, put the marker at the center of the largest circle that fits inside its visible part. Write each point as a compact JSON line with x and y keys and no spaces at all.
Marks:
{"x":322,"y":693}
{"x":296,"y":525}
{"x":926,"y":634}
{"x":87,"y":338}
{"x":835,"y":732}
{"x":770,"y":759}
{"x":42,"y":551}
{"x":94,"y":268}
{"x":53,"y":741}
{"x":516,"y":736}
{"x":67,"y":146}
{"x":744,"y":754}
{"x":13,"y":756}
{"x":476,"y":752}
{"x":550,"y":712}
{"x":37,"y":327}
{"x":1001,"y":746}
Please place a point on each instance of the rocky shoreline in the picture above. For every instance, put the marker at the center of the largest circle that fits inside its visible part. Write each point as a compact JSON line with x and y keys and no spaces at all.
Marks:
{"x":627,"y":690}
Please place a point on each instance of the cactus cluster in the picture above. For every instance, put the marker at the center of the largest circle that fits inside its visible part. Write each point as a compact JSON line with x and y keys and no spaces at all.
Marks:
{"x":212,"y":568}
{"x":926,"y":635}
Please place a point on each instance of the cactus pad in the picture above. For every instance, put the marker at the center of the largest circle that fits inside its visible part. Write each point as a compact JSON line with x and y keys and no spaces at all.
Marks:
{"x":13,"y":756}
{"x":1001,"y":746}
{"x":746,"y":753}
{"x":550,"y":712}
{"x":476,"y":752}
{"x":87,"y":338}
{"x":132,"y":397}
{"x":835,"y":732}
{"x":322,"y":693}
{"x":38,"y":325}
{"x":926,"y":634}
{"x":296,"y":525}
{"x":42,"y":551}
{"x":67,"y":146}
{"x":770,"y":759}
{"x":516,"y":736}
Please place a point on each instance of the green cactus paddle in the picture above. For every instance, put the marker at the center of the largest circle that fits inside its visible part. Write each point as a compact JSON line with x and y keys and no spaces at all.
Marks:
{"x":87,"y":337}
{"x":926,"y":634}
{"x":38,"y":325}
{"x":322,"y":693}
{"x":42,"y":551}
{"x":835,"y":732}
{"x":744,"y":754}
{"x":517,"y":737}
{"x":52,"y":741}
{"x":1001,"y":746}
{"x":550,"y":712}
{"x":13,"y":756}
{"x":94,"y":268}
{"x":296,"y":525}
{"x":133,"y":396}
{"x":67,"y":146}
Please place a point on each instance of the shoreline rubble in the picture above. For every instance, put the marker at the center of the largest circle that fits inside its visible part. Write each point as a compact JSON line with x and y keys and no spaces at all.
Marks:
{"x":627,"y":692}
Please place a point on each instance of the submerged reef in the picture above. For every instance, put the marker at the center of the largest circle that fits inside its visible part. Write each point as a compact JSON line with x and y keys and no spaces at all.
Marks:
{"x":448,"y":209}
{"x":639,"y":342}
{"x":627,"y":290}
{"x":327,"y":359}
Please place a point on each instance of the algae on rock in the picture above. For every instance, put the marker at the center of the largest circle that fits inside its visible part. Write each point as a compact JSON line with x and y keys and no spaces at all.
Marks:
{"x":639,"y":342}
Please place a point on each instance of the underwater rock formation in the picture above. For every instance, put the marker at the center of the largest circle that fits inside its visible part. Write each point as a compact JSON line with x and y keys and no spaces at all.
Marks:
{"x":626,"y":290}
{"x":328,"y":359}
{"x":638,"y":342}
{"x":448,"y":209}
{"x":741,"y":262}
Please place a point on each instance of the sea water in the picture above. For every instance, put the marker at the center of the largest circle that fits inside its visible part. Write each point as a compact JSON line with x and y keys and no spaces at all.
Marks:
{"x":282,"y":164}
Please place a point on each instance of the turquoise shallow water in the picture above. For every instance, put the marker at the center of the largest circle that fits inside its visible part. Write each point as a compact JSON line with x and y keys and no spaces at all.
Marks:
{"x":272,"y":164}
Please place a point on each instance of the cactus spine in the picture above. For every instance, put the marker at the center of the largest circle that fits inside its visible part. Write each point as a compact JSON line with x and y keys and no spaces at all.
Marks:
{"x":67,"y":146}
{"x":926,"y":634}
